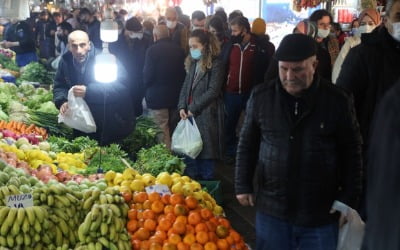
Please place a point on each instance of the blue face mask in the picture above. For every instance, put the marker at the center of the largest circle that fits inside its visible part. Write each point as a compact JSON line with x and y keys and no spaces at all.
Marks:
{"x":195,"y":53}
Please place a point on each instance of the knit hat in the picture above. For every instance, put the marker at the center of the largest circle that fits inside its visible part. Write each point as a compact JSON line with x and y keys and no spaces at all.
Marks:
{"x":258,"y":26}
{"x":133,"y":24}
{"x":372,"y":13}
{"x":306,"y":27}
{"x":295,"y":48}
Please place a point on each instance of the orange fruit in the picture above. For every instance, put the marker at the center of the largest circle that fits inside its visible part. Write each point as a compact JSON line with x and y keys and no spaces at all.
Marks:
{"x":139,"y":215}
{"x":222,"y":244}
{"x":235,"y":235}
{"x":176,"y":199}
{"x":147,"y":204}
{"x":170,"y":216}
{"x":179,"y":227}
{"x":165,"y":199}
{"x":127,"y":196}
{"x":191,"y":202}
{"x":225,"y":222}
{"x":148,"y":214}
{"x":212,"y":236}
{"x":132,"y":214}
{"x":169,"y":246}
{"x":150,"y":224}
{"x":156,"y":239}
{"x":210,"y":246}
{"x":189,"y":239}
{"x":142,"y":234}
{"x":222,"y":231}
{"x":132,"y":225}
{"x":201,"y":227}
{"x":181,"y":218}
{"x":190,"y":229}
{"x":145,"y":244}
{"x":196,"y":246}
{"x":202,"y":237}
{"x":140,"y":197}
{"x":157,"y":206}
{"x":180,"y":209}
{"x":230,"y":240}
{"x":183,"y":246}
{"x":211,"y":226}
{"x":135,"y":243}
{"x":154,"y":196}
{"x":194,"y":218}
{"x":168,"y":209}
{"x":161,"y":234}
{"x":155,"y":246}
{"x":164,"y":224}
{"x":206,"y":213}
{"x":174,"y":239}
{"x":139,"y":206}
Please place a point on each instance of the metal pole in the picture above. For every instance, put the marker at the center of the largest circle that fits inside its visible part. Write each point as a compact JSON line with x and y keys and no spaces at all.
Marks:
{"x":260,"y":8}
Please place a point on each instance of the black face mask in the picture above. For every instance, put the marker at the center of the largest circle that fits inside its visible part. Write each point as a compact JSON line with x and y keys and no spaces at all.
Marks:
{"x":237,"y":39}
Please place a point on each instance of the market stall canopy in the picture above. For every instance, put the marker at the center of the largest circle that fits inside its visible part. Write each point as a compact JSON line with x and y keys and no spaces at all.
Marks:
{"x":14,"y":9}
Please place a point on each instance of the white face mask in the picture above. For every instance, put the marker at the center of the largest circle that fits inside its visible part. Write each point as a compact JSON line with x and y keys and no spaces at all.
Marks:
{"x":396,"y":31}
{"x":366,"y":29}
{"x":136,"y":35}
{"x":323,"y":33}
{"x":171,"y":24}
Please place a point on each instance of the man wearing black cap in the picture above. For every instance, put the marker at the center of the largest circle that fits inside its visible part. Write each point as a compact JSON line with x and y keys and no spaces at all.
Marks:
{"x":301,"y":143}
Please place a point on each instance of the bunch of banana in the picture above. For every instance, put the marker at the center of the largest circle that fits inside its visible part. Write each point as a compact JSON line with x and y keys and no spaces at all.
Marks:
{"x":104,"y":224}
{"x":23,"y":227}
{"x":111,"y":195}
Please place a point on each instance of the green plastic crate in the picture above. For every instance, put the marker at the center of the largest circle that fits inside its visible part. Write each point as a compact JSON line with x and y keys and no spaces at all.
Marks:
{"x":214,"y":189}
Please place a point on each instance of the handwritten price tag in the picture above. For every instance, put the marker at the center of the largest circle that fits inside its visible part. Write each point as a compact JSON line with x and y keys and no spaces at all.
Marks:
{"x":20,"y":200}
{"x":161,"y":189}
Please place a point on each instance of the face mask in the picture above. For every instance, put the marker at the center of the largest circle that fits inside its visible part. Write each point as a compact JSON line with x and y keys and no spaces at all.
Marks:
{"x":354,"y":31}
{"x":136,"y":35}
{"x":323,"y":33}
{"x":366,"y":28}
{"x":237,"y":39}
{"x":396,"y":31}
{"x":171,"y":24}
{"x":195,"y":53}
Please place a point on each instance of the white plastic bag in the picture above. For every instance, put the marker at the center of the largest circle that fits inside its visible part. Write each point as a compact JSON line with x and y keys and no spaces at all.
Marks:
{"x":78,"y":115}
{"x":186,"y":138}
{"x":351,"y":234}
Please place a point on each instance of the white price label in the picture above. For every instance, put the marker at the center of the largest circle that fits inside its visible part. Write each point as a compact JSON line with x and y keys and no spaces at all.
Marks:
{"x":20,"y":200}
{"x":158,"y":188}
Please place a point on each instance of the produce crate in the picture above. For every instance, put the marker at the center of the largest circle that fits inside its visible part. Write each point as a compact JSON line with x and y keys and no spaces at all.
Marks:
{"x":214,"y":189}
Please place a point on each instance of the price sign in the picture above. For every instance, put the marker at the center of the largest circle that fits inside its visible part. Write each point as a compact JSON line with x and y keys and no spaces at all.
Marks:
{"x":161,"y":189}
{"x":20,"y":200}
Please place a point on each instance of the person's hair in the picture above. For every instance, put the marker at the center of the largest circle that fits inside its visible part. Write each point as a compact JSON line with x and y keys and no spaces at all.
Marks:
{"x":352,"y":22}
{"x":56,"y":14}
{"x":161,"y":31}
{"x":123,"y":12}
{"x":389,"y":5}
{"x":233,"y":15}
{"x":179,"y":10}
{"x":217,"y":23}
{"x":44,"y":13}
{"x":242,"y":22}
{"x":211,"y":49}
{"x":337,"y":27}
{"x":319,"y":14}
{"x":66,"y":26}
{"x":85,"y":11}
{"x":222,"y":14}
{"x":148,"y":25}
{"x":199,"y":15}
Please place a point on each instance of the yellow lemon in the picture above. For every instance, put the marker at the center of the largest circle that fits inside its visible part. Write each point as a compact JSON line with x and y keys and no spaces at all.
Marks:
{"x":137,"y":185}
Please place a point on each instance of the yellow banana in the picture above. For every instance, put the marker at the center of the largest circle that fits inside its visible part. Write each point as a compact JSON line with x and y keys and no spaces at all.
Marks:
{"x":31,"y":215}
{"x":10,"y":241}
{"x":27,"y":239}
{"x":37,"y":226}
{"x":103,"y":229}
{"x":115,"y":210}
{"x":25,"y":225}
{"x":39,"y":213}
{"x":59,"y":238}
{"x":88,"y":203}
{"x":103,"y":199}
{"x":20,"y":215}
{"x":3,"y":214}
{"x":64,"y":227}
{"x":50,"y":200}
{"x":64,"y":200}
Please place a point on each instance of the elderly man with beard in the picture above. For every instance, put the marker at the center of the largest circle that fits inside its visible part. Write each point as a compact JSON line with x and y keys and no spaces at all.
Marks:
{"x":110,"y":103}
{"x":301,"y":144}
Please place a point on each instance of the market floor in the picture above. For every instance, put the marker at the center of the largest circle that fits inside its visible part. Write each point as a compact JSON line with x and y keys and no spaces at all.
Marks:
{"x":242,"y":218}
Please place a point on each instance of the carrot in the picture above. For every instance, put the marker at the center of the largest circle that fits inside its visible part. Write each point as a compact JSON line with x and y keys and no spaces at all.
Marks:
{"x":30,"y":128}
{"x":2,"y":124}
{"x":19,"y":126}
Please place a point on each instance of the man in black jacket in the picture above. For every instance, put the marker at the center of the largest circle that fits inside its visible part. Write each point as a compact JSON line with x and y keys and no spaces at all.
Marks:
{"x":91,"y":26}
{"x":109,"y":103}
{"x":301,"y":142}
{"x":163,"y":77}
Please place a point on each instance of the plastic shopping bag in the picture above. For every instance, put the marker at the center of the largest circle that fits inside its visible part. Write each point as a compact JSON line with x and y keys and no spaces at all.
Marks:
{"x":186,"y":138}
{"x":78,"y":115}
{"x":351,"y":234}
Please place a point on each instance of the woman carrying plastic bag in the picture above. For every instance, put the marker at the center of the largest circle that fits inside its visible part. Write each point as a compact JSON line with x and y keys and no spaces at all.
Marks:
{"x":201,"y":98}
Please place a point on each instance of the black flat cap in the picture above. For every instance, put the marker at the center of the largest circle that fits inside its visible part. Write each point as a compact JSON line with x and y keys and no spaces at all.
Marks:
{"x":296,"y":47}
{"x":133,"y":24}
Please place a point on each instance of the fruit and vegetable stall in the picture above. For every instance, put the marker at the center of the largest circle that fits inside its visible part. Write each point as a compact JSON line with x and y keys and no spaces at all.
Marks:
{"x":59,"y":192}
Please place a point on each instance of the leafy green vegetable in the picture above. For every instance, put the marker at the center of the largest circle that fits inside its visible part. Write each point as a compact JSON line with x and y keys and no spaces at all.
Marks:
{"x":77,"y":145}
{"x":35,"y":72}
{"x":144,"y":136}
{"x":107,"y":158}
{"x":7,"y":63}
{"x":158,"y":159}
{"x":3,"y":116}
{"x":49,"y":121}
{"x":48,"y":107}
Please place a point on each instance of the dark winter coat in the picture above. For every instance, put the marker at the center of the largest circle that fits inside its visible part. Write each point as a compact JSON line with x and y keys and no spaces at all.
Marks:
{"x":180,"y":35}
{"x":110,"y":103}
{"x":93,"y":30}
{"x":21,"y":32}
{"x":206,"y":106}
{"x":163,"y":74}
{"x":300,"y":167}
{"x":368,"y":71}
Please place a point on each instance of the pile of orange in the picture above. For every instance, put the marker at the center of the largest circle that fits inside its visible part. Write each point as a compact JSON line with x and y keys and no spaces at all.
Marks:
{"x":172,"y":222}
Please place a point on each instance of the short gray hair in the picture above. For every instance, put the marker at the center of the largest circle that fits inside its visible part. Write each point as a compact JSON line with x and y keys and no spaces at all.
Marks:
{"x":389,"y":6}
